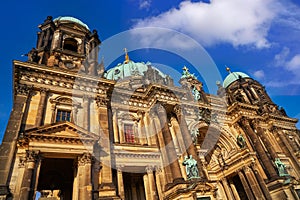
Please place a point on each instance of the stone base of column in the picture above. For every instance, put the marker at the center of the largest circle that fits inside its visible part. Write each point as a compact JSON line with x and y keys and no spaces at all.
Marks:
{"x":108,"y":191}
{"x":4,"y":192}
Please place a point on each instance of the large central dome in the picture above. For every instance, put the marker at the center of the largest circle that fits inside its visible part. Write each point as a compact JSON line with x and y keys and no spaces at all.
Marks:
{"x":129,"y":69}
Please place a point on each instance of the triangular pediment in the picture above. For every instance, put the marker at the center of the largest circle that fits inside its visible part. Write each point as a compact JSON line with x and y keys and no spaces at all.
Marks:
{"x":61,"y":130}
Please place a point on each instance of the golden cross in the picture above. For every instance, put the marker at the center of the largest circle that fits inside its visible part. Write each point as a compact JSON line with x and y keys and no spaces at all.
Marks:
{"x":126,"y":55}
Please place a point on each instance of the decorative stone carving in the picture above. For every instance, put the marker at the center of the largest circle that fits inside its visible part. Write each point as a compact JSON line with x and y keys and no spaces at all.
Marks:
{"x":31,"y":156}
{"x":23,"y":89}
{"x":22,"y":161}
{"x":205,"y":115}
{"x":101,"y":102}
{"x":84,"y":159}
{"x":149,"y":169}
{"x":194,"y":134}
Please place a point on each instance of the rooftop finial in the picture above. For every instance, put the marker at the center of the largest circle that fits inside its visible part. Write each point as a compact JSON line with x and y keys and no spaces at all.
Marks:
{"x":228,"y":69}
{"x":126,"y":55}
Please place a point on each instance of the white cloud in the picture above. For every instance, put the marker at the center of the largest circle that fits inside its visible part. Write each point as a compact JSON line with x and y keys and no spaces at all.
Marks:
{"x":294,"y":64}
{"x":259,"y":74}
{"x":236,"y":22}
{"x":280,"y":58}
{"x":144,"y":4}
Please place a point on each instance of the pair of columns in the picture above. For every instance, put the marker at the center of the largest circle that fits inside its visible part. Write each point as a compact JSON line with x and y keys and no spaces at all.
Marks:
{"x":167,"y":146}
{"x":30,"y":163}
{"x":252,"y":182}
{"x":257,"y":145}
{"x":149,"y":183}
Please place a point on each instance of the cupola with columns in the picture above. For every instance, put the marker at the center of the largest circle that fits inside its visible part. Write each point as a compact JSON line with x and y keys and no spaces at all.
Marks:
{"x":67,"y":43}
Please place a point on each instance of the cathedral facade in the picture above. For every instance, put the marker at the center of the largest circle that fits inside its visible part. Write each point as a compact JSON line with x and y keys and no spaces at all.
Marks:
{"x":80,"y":132}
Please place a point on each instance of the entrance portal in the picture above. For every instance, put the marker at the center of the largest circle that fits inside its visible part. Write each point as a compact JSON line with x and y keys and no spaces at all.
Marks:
{"x":56,"y":178}
{"x":134,"y":186}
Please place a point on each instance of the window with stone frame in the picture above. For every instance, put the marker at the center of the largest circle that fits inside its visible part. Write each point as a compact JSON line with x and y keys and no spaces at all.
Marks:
{"x":129,"y":133}
{"x":63,"y":115}
{"x":70,"y":44}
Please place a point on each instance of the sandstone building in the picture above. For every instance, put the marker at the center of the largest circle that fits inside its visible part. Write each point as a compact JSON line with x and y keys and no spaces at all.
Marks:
{"x":78,"y":131}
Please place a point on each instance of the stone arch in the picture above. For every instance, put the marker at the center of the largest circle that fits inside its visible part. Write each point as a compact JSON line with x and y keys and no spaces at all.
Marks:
{"x":212,"y":136}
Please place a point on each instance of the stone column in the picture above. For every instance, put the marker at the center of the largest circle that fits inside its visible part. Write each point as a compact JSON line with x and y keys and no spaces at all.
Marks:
{"x":261,"y":183}
{"x":142,"y":129}
{"x":227,"y":189}
{"x":265,"y":139}
{"x":151,"y":183}
{"x":115,"y":126}
{"x":169,"y":145}
{"x":286,"y":147}
{"x":26,"y":191}
{"x":253,"y":183}
{"x":259,"y":148}
{"x":234,"y":191}
{"x":120,"y":182}
{"x":160,"y":142}
{"x":85,"y":179}
{"x":160,"y":182}
{"x":86,"y":112}
{"x":188,"y":142}
{"x":41,"y":38}
{"x":245,"y":185}
{"x":107,"y":188}
{"x":9,"y":142}
{"x":148,"y":128}
{"x":146,"y":187}
{"x":41,"y":107}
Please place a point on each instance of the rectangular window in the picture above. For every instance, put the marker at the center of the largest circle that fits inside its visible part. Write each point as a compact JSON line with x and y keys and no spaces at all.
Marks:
{"x":63,"y":115}
{"x":129,"y":133}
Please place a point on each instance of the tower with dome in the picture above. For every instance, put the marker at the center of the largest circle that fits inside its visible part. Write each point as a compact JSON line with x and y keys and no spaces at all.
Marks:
{"x":81,"y":131}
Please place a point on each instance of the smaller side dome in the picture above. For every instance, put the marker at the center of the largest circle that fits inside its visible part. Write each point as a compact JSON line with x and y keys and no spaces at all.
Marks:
{"x":232,"y":77}
{"x":71,"y":19}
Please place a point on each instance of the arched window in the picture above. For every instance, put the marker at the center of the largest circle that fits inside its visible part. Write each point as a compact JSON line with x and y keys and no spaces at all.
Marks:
{"x":70,"y":44}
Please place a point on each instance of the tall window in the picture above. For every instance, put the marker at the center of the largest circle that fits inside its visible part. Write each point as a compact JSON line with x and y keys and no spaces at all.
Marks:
{"x":63,"y":115}
{"x":129,"y":133}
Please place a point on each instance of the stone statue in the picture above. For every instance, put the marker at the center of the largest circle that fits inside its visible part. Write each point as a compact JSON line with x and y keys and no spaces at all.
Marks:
{"x":194,"y":135}
{"x":191,"y":167}
{"x":196,"y":94}
{"x":281,"y":167}
{"x":241,"y":141}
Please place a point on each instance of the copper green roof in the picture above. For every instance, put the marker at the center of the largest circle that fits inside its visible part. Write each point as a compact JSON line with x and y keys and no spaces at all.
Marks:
{"x":130,"y":68}
{"x":232,"y":77}
{"x":71,"y":19}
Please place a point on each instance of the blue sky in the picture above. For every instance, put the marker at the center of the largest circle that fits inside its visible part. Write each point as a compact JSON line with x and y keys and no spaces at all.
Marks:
{"x":260,"y":38}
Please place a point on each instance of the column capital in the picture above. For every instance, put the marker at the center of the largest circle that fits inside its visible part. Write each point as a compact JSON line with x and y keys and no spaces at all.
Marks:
{"x":32,"y":156}
{"x":120,"y":168}
{"x":24,"y":90}
{"x":149,"y":169}
{"x":85,"y":158}
{"x":158,"y":169}
{"x":101,"y":101}
{"x":43,"y":90}
{"x":22,"y":161}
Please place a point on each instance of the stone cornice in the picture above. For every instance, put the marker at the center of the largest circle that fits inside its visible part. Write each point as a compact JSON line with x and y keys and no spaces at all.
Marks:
{"x":53,"y":77}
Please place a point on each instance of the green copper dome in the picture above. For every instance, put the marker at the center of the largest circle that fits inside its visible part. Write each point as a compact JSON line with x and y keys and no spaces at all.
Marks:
{"x":71,"y":19}
{"x":233,"y":77}
{"x":128,"y":69}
